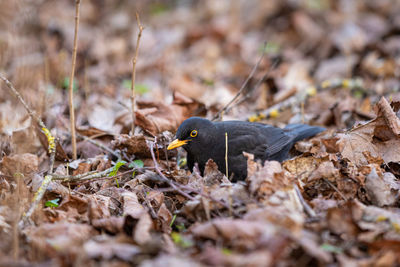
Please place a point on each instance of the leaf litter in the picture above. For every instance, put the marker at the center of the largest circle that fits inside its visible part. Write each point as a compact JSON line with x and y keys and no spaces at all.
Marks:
{"x":335,"y":202}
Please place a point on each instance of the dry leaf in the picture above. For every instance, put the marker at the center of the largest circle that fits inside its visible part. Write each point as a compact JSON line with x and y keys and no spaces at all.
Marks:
{"x":157,"y":117}
{"x":132,"y":207}
{"x":66,"y":237}
{"x":110,"y":249}
{"x":27,"y":164}
{"x":379,"y":137}
{"x":382,"y":190}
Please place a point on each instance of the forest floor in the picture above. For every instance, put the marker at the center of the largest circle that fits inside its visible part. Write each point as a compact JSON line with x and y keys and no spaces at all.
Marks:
{"x":128,"y":201}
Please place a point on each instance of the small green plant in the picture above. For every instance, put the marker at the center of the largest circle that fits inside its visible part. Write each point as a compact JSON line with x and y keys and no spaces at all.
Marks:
{"x":158,"y":8}
{"x":182,"y":162}
{"x":137,"y":163}
{"x":65,"y":84}
{"x":115,"y":169}
{"x":172,"y":221}
{"x":54,"y":203}
{"x":141,"y":89}
{"x":180,"y":240}
{"x":331,"y":248}
{"x":270,"y":48}
{"x":226,"y":251}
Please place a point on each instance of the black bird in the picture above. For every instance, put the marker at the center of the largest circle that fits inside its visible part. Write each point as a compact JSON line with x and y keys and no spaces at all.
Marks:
{"x":204,"y":140}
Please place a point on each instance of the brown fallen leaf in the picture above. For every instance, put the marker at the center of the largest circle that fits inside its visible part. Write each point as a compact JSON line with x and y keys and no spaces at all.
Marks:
{"x":301,"y":167}
{"x":170,"y":260}
{"x":132,"y":206}
{"x":384,"y":109}
{"x":156,"y":198}
{"x":376,"y":65}
{"x":165,"y":217}
{"x":379,"y":225}
{"x":216,"y":257}
{"x":98,"y":207}
{"x":137,"y":145}
{"x":61,"y":155}
{"x":267,"y":179}
{"x":309,"y":242}
{"x":287,"y":214}
{"x":325,"y":170}
{"x":157,"y":117}
{"x":144,"y":225}
{"x":382,"y":190}
{"x":27,"y":164}
{"x":237,"y":233}
{"x":132,"y":145}
{"x":379,"y":137}
{"x":49,"y":239}
{"x":113,"y":225}
{"x":211,"y":174}
{"x":109,"y":249}
{"x":83,"y":167}
{"x":340,"y":221}
{"x":184,"y":84}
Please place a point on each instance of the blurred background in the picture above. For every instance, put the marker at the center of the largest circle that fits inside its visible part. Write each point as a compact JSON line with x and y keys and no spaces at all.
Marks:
{"x":202,"y":49}
{"x":320,"y":62}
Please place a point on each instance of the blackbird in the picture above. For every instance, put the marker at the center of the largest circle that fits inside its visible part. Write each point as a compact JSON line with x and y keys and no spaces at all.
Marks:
{"x":204,"y":140}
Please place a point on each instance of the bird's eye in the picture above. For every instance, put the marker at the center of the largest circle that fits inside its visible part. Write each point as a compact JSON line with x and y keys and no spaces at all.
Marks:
{"x":193,"y":133}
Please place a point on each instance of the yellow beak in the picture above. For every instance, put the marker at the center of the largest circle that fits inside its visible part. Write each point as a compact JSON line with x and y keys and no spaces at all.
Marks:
{"x":177,"y":143}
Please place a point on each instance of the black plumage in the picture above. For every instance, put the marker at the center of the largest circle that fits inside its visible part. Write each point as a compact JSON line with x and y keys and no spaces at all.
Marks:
{"x":203,"y":140}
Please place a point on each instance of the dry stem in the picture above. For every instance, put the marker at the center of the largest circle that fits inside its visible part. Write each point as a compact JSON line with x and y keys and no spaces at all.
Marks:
{"x":84,"y":176}
{"x":165,"y":179}
{"x":306,"y":207}
{"x":51,"y":149}
{"x":242,"y":88}
{"x":226,"y":155}
{"x":133,"y":95}
{"x":179,"y":187}
{"x":71,"y":81}
{"x":259,"y":82}
{"x":50,"y":138}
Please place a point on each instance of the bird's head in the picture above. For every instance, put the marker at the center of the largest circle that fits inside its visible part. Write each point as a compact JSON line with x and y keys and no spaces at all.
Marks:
{"x":193,"y":134}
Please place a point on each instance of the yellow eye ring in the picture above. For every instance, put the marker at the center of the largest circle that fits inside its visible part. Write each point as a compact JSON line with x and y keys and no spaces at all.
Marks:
{"x":193,"y":133}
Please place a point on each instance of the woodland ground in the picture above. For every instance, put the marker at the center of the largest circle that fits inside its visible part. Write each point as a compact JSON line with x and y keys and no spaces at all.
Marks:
{"x":322,"y":62}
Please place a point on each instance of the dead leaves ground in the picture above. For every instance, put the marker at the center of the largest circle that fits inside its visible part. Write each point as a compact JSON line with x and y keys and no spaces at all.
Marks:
{"x":336,"y":203}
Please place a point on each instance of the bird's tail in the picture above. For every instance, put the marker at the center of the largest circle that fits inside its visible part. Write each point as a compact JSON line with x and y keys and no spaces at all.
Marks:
{"x":302,"y":131}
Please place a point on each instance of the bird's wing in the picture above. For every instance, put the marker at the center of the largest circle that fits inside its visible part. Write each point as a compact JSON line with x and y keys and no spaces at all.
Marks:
{"x":258,"y":139}
{"x":279,"y":144}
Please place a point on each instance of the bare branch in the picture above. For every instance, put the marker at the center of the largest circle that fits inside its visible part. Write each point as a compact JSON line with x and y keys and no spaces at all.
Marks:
{"x":242,"y":88}
{"x":133,"y":95}
{"x":71,"y":81}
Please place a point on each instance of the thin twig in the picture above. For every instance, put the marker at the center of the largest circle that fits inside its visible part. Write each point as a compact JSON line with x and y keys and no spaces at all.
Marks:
{"x":223,"y":204}
{"x":93,"y":175}
{"x":100,"y":145}
{"x":165,"y":179}
{"x":179,"y":187}
{"x":133,"y":95}
{"x":82,"y":177}
{"x":18,"y":95}
{"x":306,"y":207}
{"x":51,"y":150}
{"x":36,"y":199}
{"x":148,"y":204}
{"x":242,"y":88}
{"x":258,"y":84}
{"x":226,"y":155}
{"x":71,"y":81}
{"x":227,"y":173}
{"x":335,"y":188}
